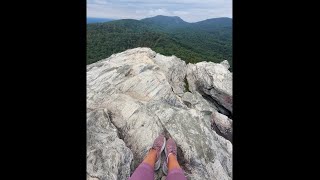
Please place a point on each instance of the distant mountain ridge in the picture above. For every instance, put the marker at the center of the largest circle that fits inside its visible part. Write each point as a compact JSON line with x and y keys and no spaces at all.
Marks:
{"x":166,"y":21}
{"x":98,"y":20}
{"x":177,"y":19}
{"x":207,"y":40}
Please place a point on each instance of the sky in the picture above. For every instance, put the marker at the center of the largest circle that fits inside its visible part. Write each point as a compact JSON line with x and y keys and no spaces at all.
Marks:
{"x":188,"y":10}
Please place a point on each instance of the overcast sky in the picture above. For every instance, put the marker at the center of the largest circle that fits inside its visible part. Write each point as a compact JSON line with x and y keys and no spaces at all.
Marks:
{"x":188,"y":10}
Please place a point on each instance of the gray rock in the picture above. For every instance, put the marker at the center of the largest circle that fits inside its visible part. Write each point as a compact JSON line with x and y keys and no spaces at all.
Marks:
{"x":222,"y":125}
{"x":196,"y":101}
{"x":107,"y":155}
{"x":212,"y":79}
{"x":175,"y":70}
{"x":226,"y":64}
{"x":163,"y":178}
{"x":134,"y":96}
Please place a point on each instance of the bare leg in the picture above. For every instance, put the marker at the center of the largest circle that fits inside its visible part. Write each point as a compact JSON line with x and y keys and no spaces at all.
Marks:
{"x":151,"y":157}
{"x":151,"y":162}
{"x":171,"y":166}
{"x":173,"y":163}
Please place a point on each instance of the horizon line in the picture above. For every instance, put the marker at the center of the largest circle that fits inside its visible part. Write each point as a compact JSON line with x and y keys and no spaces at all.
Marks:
{"x":158,"y":15}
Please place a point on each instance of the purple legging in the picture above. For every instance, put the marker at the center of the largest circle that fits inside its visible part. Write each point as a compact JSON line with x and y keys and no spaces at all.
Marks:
{"x":145,"y":172}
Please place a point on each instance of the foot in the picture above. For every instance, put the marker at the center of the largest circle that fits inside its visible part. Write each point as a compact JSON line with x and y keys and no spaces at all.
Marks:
{"x":159,"y":144}
{"x":171,"y":149}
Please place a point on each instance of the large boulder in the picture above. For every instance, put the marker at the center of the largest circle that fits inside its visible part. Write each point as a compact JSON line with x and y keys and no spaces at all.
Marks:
{"x":222,"y":125}
{"x":138,"y":94}
{"x":213,"y":80}
{"x":107,"y":155}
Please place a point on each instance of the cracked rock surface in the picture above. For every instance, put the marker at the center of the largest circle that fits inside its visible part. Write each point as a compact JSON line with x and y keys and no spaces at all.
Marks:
{"x":134,"y":96}
{"x":213,"y":80}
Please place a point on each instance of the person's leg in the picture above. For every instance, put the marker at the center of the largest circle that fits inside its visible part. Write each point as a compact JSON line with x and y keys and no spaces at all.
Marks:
{"x":151,"y":162}
{"x":146,"y":169}
{"x":151,"y":158}
{"x":171,"y":166}
{"x":174,"y":169}
{"x":173,"y":162}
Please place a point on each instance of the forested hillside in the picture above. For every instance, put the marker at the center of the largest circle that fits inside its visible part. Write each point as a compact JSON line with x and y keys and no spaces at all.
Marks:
{"x":208,"y":40}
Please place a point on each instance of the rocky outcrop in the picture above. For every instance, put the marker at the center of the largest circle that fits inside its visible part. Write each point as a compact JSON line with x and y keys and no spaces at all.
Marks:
{"x":107,"y":155}
{"x":222,"y":125}
{"x":213,"y":81}
{"x":134,"y":96}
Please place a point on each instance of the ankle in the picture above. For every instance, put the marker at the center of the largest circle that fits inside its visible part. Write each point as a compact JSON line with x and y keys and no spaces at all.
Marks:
{"x":172,"y":156}
{"x":151,"y":157}
{"x":172,"y":162}
{"x":152,"y":152}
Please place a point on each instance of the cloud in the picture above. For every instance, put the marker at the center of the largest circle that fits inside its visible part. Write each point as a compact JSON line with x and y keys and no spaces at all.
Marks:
{"x":189,"y":10}
{"x":158,"y":12}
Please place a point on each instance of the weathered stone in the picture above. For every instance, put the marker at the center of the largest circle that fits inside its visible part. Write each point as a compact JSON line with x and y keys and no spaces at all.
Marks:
{"x":212,"y":79}
{"x":196,"y":101}
{"x":134,"y":96}
{"x":107,"y":155}
{"x":223,"y":125}
{"x":226,"y":64}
